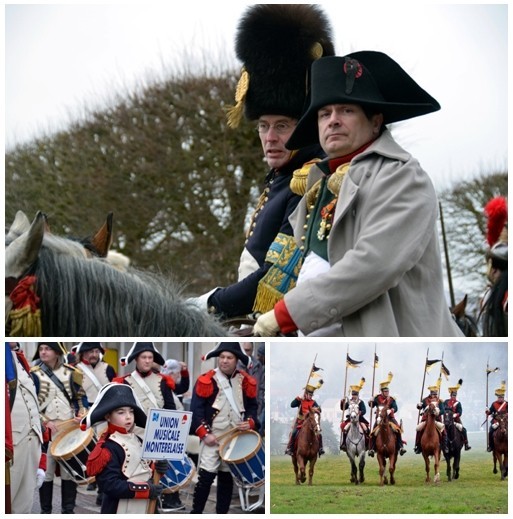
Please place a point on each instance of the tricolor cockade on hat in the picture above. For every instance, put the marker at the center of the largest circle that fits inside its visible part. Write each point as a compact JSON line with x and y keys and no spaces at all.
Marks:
{"x":140,"y":347}
{"x":277,"y":44}
{"x":113,"y":396}
{"x":369,"y":79}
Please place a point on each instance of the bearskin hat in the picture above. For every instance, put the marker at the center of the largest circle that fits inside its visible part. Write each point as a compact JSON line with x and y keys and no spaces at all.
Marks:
{"x":277,"y":43}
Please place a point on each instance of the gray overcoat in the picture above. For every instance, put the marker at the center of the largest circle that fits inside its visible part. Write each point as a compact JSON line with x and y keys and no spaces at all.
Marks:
{"x":385,"y":277}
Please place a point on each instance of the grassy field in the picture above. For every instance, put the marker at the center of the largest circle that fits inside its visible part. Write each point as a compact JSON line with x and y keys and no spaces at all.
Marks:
{"x":477,"y":491}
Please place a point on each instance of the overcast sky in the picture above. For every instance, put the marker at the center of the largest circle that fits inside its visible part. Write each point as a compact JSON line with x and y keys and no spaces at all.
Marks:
{"x":60,"y":58}
{"x":290,"y":365}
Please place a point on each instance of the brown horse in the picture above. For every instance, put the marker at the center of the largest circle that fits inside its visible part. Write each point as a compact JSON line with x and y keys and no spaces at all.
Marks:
{"x":430,"y":443}
{"x":307,"y":447}
{"x":500,"y":445}
{"x":386,"y":447}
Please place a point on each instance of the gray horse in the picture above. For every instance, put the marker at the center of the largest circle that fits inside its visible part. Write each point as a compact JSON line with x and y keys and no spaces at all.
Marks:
{"x":356,"y":445}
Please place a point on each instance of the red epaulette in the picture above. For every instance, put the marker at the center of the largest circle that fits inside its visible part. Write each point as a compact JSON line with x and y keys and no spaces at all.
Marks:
{"x":249,"y":385}
{"x":170,"y":381}
{"x":205,"y":384}
{"x":98,"y":459}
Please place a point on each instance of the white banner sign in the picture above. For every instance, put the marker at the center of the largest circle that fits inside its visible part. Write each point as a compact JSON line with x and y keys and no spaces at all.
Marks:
{"x":166,"y":433}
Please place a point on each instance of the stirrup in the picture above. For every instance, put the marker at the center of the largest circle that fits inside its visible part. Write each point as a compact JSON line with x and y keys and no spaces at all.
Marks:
{"x":402,"y":451}
{"x":371,"y":453}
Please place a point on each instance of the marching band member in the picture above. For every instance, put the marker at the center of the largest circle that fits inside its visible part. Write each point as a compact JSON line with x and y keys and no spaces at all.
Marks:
{"x":61,"y":399}
{"x":223,"y":400}
{"x":123,"y":477}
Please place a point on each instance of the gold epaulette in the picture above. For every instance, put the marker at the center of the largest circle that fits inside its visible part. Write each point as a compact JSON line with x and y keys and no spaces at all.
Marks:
{"x":300,"y":177}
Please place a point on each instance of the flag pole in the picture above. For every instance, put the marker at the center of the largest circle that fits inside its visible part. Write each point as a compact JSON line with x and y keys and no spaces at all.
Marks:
{"x":423,"y":382}
{"x":372,"y":391}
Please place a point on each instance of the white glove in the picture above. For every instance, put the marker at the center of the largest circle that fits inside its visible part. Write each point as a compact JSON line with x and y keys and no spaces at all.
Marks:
{"x":266,"y":325}
{"x":40,"y":477}
{"x":202,"y":301}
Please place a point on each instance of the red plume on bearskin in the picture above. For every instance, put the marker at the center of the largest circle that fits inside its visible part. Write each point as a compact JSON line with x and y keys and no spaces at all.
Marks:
{"x":497,"y":212}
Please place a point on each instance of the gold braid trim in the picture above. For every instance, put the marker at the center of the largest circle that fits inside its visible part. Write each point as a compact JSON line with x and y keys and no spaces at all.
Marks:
{"x":234,"y":113}
{"x":25,"y":323}
{"x":334,"y":184}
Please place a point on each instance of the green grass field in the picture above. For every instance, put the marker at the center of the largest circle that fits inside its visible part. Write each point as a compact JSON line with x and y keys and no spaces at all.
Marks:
{"x":477,"y":491}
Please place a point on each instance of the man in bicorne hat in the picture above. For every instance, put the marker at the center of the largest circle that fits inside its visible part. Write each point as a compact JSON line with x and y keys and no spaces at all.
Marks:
{"x":304,"y":402}
{"x":369,"y":200}
{"x":455,"y":406}
{"x":97,"y":374}
{"x":362,"y":409}
{"x":432,"y":398}
{"x":500,"y":406}
{"x":62,"y":399}
{"x":380,"y":401}
{"x":224,"y":399}
{"x":276,"y":44}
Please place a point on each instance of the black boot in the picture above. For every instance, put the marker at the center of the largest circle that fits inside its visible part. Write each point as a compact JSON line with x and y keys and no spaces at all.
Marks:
{"x":445,"y":443}
{"x":490,"y":441}
{"x":343,"y":446}
{"x":321,"y":449}
{"x":465,"y":439}
{"x":68,"y":496}
{"x":417,"y":449}
{"x":400,"y":445}
{"x":224,"y":492}
{"x":290,"y":446}
{"x":202,"y":491}
{"x":45,"y":497}
{"x":372,"y":446}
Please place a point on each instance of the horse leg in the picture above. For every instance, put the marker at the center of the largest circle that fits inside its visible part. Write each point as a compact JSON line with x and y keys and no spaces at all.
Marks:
{"x":296,"y":469}
{"x":393,"y":459}
{"x":456,"y":465}
{"x":311,"y":471}
{"x":494,"y":463}
{"x":354,"y":472}
{"x":302,"y":469}
{"x":382,"y":466}
{"x":436,"y":478}
{"x":502,"y":458}
{"x":449,"y":472}
{"x":362,"y":468}
{"x":426,"y":461}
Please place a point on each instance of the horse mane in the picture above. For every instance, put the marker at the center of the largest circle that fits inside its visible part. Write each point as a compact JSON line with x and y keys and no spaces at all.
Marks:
{"x":88,"y":297}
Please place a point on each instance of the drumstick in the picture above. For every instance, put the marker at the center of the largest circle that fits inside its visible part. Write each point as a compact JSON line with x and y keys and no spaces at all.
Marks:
{"x":227,"y":433}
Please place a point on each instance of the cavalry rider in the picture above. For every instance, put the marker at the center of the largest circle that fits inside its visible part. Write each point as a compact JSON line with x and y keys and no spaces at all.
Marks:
{"x":380,"y":401}
{"x":440,"y":409}
{"x":500,"y":406}
{"x":454,"y":405}
{"x":362,"y":409}
{"x":305,"y":402}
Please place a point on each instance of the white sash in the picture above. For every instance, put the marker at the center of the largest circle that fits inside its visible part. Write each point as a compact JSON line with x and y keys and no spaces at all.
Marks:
{"x":224,"y":384}
{"x":90,"y":373}
{"x":142,"y":384}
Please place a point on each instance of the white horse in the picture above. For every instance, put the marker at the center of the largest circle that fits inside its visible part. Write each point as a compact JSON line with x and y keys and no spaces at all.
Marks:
{"x":355,"y":443}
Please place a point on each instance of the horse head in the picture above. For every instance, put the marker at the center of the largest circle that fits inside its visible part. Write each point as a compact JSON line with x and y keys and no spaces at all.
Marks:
{"x":466,"y":323}
{"x":354,"y":412}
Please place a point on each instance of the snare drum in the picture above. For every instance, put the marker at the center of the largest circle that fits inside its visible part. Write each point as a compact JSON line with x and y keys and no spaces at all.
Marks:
{"x":244,"y":455}
{"x":179,"y":473}
{"x":71,"y":448}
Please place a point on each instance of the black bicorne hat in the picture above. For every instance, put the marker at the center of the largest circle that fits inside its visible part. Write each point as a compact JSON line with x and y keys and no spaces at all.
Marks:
{"x":138,"y":348}
{"x":55,"y":346}
{"x":113,"y":396}
{"x":277,"y":44}
{"x":231,"y":347}
{"x":87,"y":346}
{"x":367,"y":78}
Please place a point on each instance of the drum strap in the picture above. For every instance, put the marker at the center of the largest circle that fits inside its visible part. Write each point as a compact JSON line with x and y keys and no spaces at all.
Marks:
{"x":142,"y":384}
{"x":90,"y":373}
{"x":224,"y":384}
{"x":48,"y":372}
